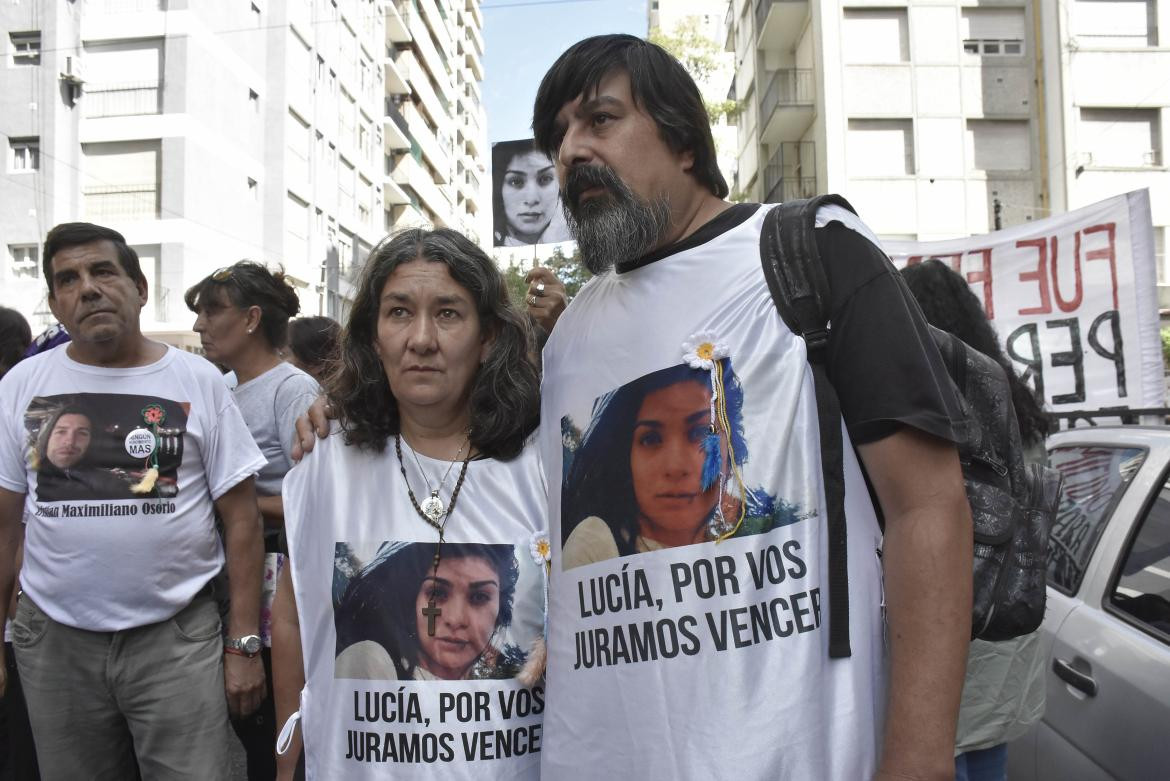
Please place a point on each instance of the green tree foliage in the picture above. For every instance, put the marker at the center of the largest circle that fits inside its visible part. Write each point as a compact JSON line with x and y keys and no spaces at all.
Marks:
{"x":568,"y":269}
{"x":517,"y":287}
{"x":700,"y":56}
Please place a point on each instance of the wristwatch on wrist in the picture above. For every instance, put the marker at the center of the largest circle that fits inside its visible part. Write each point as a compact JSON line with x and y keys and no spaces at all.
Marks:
{"x":248,"y":645}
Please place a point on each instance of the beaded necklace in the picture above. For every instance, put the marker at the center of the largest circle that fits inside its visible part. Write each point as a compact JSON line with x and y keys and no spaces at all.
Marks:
{"x":431,"y":611}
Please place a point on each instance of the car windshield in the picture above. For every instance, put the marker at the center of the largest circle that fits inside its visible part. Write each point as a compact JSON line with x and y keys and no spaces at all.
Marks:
{"x":1094,"y":479}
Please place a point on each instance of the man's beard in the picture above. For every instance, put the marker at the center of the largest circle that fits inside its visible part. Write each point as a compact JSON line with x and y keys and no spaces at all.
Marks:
{"x":616,"y":225}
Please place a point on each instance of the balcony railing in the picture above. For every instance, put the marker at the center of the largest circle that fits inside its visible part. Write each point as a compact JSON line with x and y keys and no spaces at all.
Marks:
{"x":122,"y":99}
{"x":785,"y":176}
{"x":788,"y":87}
{"x":396,"y":117}
{"x":121,"y":202}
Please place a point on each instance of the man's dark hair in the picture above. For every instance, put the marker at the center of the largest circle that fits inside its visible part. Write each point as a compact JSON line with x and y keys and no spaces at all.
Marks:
{"x":15,"y":337}
{"x":314,"y":340}
{"x":660,"y":86}
{"x":74,"y":234}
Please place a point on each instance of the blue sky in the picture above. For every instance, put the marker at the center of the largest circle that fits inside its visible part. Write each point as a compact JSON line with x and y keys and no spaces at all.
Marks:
{"x":522,"y":38}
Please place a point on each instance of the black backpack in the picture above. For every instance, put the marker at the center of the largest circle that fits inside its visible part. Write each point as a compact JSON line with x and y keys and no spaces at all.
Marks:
{"x":1013,"y":504}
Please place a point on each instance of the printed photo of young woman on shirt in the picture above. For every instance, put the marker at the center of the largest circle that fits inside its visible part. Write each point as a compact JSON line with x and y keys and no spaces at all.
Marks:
{"x":643,"y":476}
{"x":400,"y":618}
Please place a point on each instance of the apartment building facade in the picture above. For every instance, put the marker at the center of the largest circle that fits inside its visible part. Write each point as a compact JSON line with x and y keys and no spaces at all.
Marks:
{"x":708,"y":18}
{"x":943,"y":118}
{"x":211,"y":131}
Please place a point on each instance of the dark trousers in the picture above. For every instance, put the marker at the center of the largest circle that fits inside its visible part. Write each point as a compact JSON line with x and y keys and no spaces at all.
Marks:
{"x":18,"y":755}
{"x":257,"y":733}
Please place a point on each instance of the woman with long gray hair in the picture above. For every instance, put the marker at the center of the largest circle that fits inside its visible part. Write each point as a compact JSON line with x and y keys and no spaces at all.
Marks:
{"x":435,"y":401}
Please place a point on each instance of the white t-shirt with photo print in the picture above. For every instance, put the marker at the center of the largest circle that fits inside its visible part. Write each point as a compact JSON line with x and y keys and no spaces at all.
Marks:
{"x":702,"y":659}
{"x":107,"y":547}
{"x":370,"y":709}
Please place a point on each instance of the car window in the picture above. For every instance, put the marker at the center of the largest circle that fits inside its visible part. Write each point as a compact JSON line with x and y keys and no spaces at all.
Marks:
{"x":1094,"y":479}
{"x":1142,"y":587}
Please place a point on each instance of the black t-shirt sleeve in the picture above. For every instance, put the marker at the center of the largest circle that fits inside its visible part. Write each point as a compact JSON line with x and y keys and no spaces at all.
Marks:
{"x":882,"y":360}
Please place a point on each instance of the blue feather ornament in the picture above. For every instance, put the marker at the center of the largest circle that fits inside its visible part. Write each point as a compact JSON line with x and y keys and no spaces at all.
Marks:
{"x":712,"y":460}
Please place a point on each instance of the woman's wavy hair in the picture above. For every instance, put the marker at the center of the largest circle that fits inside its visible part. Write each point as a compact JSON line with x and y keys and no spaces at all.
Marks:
{"x":379,"y":604}
{"x":505,"y":393}
{"x":247,"y":284}
{"x":949,"y":305}
{"x":600,"y":482}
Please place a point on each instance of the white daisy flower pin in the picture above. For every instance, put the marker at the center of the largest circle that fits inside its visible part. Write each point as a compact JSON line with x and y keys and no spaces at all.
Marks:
{"x":701,"y":350}
{"x":540,"y":548}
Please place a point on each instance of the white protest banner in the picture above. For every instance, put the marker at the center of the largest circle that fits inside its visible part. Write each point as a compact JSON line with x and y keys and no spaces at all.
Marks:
{"x":1073,"y":298}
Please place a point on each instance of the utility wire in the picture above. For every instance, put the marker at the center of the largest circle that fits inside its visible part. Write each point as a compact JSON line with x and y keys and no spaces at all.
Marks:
{"x":531,"y":3}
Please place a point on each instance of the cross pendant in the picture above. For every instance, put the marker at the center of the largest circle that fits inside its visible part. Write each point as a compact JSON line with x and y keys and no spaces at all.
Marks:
{"x":431,"y":612}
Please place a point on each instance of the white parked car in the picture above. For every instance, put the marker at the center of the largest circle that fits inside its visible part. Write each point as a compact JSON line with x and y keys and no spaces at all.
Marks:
{"x":1106,"y":631}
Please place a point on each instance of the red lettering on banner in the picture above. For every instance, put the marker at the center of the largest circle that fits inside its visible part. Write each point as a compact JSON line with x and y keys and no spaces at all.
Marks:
{"x":1040,"y":275}
{"x":983,"y":276}
{"x":1078,"y":286}
{"x":1110,"y":253}
{"x":954,"y":259}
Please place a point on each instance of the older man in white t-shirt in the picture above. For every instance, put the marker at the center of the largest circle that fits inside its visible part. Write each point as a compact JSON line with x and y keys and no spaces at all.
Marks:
{"x":117,"y":633}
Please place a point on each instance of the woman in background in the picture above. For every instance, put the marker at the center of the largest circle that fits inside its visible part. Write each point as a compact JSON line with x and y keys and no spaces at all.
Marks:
{"x":1004,"y":690}
{"x":18,"y":756}
{"x":242,"y":320}
{"x":312,"y":345}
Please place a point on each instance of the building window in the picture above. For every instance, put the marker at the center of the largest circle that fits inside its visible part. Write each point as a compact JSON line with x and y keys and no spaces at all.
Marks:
{"x":993,"y":32}
{"x":25,"y":154}
{"x":26,"y":48}
{"x":1000,"y":47}
{"x":998,"y":145}
{"x":880,"y":147}
{"x":25,"y":260}
{"x":1119,"y":138}
{"x":875,"y":35}
{"x":1115,"y":23}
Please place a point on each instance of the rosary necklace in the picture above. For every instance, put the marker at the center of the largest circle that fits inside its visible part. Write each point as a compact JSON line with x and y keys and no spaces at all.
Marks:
{"x":432,"y":611}
{"x":432,"y":507}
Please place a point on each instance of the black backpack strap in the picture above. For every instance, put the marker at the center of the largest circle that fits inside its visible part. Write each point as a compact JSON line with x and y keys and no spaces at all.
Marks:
{"x":800,"y":290}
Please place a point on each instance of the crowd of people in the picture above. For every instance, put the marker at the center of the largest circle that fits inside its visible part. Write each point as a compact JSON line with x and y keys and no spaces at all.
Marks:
{"x":600,"y":560}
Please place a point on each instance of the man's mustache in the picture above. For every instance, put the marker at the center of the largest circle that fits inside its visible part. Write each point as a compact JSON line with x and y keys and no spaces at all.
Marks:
{"x":587,"y":177}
